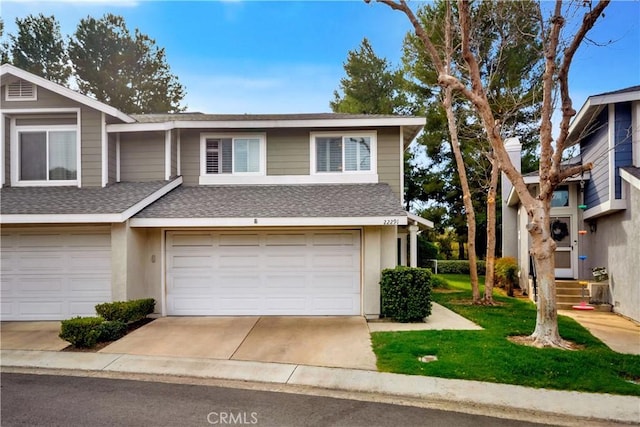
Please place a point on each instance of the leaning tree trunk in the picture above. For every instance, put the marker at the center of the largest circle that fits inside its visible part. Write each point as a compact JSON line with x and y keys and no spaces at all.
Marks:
{"x":447,"y":103}
{"x":491,"y":233}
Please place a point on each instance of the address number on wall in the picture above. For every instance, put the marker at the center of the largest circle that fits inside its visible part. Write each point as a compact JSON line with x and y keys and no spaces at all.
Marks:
{"x":390,"y":222}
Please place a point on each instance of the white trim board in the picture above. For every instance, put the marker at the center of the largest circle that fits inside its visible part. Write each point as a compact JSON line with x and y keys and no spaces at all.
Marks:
{"x":268,"y":124}
{"x":631,"y":179}
{"x":268,"y":222}
{"x":228,"y":179}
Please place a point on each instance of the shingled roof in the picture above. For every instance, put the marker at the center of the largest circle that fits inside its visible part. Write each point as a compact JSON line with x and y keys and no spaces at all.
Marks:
{"x":115,"y":198}
{"x":194,"y":116}
{"x":277,"y":201}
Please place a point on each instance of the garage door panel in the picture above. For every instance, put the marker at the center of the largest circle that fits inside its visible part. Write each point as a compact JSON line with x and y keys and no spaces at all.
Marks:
{"x":249,"y":262}
{"x":293,"y":281}
{"x":191,"y":262}
{"x":285,"y":239}
{"x":239,"y":240}
{"x":191,"y":240}
{"x":290,"y":273}
{"x":54,"y":275}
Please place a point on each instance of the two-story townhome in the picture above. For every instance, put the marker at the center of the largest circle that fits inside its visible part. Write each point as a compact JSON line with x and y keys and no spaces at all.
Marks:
{"x":595,"y":217}
{"x":293,"y":214}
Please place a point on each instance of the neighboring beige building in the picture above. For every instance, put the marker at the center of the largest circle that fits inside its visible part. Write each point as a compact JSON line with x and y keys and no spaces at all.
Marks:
{"x":208,"y":214}
{"x":603,"y":204}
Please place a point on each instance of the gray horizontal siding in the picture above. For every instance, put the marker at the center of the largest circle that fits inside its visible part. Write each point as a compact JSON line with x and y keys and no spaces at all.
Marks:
{"x":46,"y":99}
{"x":112,"y":159}
{"x":49,"y":120}
{"x":288,"y":152}
{"x":623,"y":141}
{"x":91,"y":142}
{"x":7,"y":152}
{"x":389,"y":158}
{"x":142,"y":156}
{"x":595,"y":149}
{"x":190,"y":156}
{"x":174,"y":152}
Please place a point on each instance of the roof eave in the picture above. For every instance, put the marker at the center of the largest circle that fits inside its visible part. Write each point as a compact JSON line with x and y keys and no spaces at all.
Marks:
{"x":66,"y":92}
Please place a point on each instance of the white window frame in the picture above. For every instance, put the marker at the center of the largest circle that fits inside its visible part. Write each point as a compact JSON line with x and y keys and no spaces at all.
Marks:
{"x":373,"y":137}
{"x":21,"y":98}
{"x":212,"y":178}
{"x":15,"y":157}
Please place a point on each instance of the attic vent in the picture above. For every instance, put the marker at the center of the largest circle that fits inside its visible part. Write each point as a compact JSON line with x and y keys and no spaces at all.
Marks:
{"x":21,"y":91}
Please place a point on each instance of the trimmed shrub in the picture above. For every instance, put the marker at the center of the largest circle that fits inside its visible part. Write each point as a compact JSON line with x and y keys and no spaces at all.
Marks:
{"x":111,"y":330}
{"x":81,"y":331}
{"x":458,"y":267}
{"x":406,"y":293}
{"x":438,"y":282}
{"x":126,"y":311}
{"x":506,"y":273}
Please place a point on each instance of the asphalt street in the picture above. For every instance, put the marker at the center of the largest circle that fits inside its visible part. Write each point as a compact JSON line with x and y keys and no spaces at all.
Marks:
{"x":38,"y":400}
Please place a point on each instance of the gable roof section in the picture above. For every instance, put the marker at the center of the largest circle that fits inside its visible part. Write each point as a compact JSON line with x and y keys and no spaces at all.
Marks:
{"x":275,"y":205}
{"x":592,"y":107}
{"x":113,"y":203}
{"x":161,"y":122}
{"x":8,"y":69}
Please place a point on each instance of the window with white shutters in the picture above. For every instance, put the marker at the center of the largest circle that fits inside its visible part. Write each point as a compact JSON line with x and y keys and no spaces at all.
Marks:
{"x":232,"y":154}
{"x":343,"y":153}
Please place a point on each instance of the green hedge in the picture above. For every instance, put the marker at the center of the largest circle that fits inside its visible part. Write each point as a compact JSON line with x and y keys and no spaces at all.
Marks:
{"x":458,"y":267}
{"x":81,"y":331}
{"x":111,"y":330}
{"x":406,"y":293}
{"x":126,"y":311}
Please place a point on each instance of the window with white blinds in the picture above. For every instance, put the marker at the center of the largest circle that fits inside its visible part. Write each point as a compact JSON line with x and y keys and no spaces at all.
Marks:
{"x":232,"y":155}
{"x":352,"y":153}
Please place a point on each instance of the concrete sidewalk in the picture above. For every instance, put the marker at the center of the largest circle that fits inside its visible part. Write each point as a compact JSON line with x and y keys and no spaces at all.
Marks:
{"x":567,"y":404}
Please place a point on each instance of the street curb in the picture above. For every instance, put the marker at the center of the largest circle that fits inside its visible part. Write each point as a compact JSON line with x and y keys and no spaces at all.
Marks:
{"x":605,"y":407}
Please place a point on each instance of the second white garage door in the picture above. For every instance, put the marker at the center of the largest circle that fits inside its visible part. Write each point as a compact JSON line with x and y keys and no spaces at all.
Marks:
{"x":263,"y":273}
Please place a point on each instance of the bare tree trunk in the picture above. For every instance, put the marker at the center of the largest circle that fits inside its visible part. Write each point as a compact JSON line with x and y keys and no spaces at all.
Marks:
{"x":447,"y":103}
{"x":491,"y":233}
{"x":543,"y":250}
{"x":558,"y":57}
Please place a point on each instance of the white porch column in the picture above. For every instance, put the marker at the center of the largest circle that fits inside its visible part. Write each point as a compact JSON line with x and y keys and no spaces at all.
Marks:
{"x":413,"y":245}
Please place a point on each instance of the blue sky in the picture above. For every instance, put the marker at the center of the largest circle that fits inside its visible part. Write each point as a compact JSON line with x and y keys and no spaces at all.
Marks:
{"x":287,"y":56}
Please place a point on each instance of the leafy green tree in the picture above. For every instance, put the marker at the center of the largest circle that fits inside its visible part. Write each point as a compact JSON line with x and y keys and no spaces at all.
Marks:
{"x":4,"y":46}
{"x":126,"y":71}
{"x":39,"y":49}
{"x":370,"y":86}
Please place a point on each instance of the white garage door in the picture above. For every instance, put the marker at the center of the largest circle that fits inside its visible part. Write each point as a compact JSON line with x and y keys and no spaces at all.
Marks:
{"x":54,"y":275}
{"x":251,"y":273}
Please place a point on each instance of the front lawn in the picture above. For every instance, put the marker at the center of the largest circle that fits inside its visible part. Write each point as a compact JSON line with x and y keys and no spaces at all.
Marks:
{"x":487,"y":355}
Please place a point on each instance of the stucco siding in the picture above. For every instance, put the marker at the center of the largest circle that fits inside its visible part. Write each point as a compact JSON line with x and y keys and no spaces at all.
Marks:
{"x":142,"y":157}
{"x":45,"y":99}
{"x":623,"y":140}
{"x":91,"y":147}
{"x":389,"y":158}
{"x":288,"y":152}
{"x":595,"y":149}
{"x":615,"y":244}
{"x":190,"y":156}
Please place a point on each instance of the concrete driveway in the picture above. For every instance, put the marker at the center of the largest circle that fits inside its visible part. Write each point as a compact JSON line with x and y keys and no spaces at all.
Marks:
{"x":321,"y":341}
{"x":31,"y":336}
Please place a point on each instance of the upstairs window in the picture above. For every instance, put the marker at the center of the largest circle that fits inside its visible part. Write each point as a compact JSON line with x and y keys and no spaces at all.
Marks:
{"x":21,"y":91}
{"x":352,"y":153}
{"x":233,"y":154}
{"x":47,"y":156}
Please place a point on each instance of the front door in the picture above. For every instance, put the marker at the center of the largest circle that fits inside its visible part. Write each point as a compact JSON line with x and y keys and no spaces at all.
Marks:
{"x":562,"y":233}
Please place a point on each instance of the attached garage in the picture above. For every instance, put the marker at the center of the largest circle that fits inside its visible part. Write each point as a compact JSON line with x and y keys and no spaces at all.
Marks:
{"x":50,"y":274}
{"x":263,"y":272}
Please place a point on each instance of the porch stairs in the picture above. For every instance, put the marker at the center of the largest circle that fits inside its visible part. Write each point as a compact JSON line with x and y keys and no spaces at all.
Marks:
{"x":569,"y":293}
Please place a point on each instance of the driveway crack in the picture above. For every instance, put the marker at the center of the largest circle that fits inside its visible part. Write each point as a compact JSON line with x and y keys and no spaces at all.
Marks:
{"x":245,"y":338}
